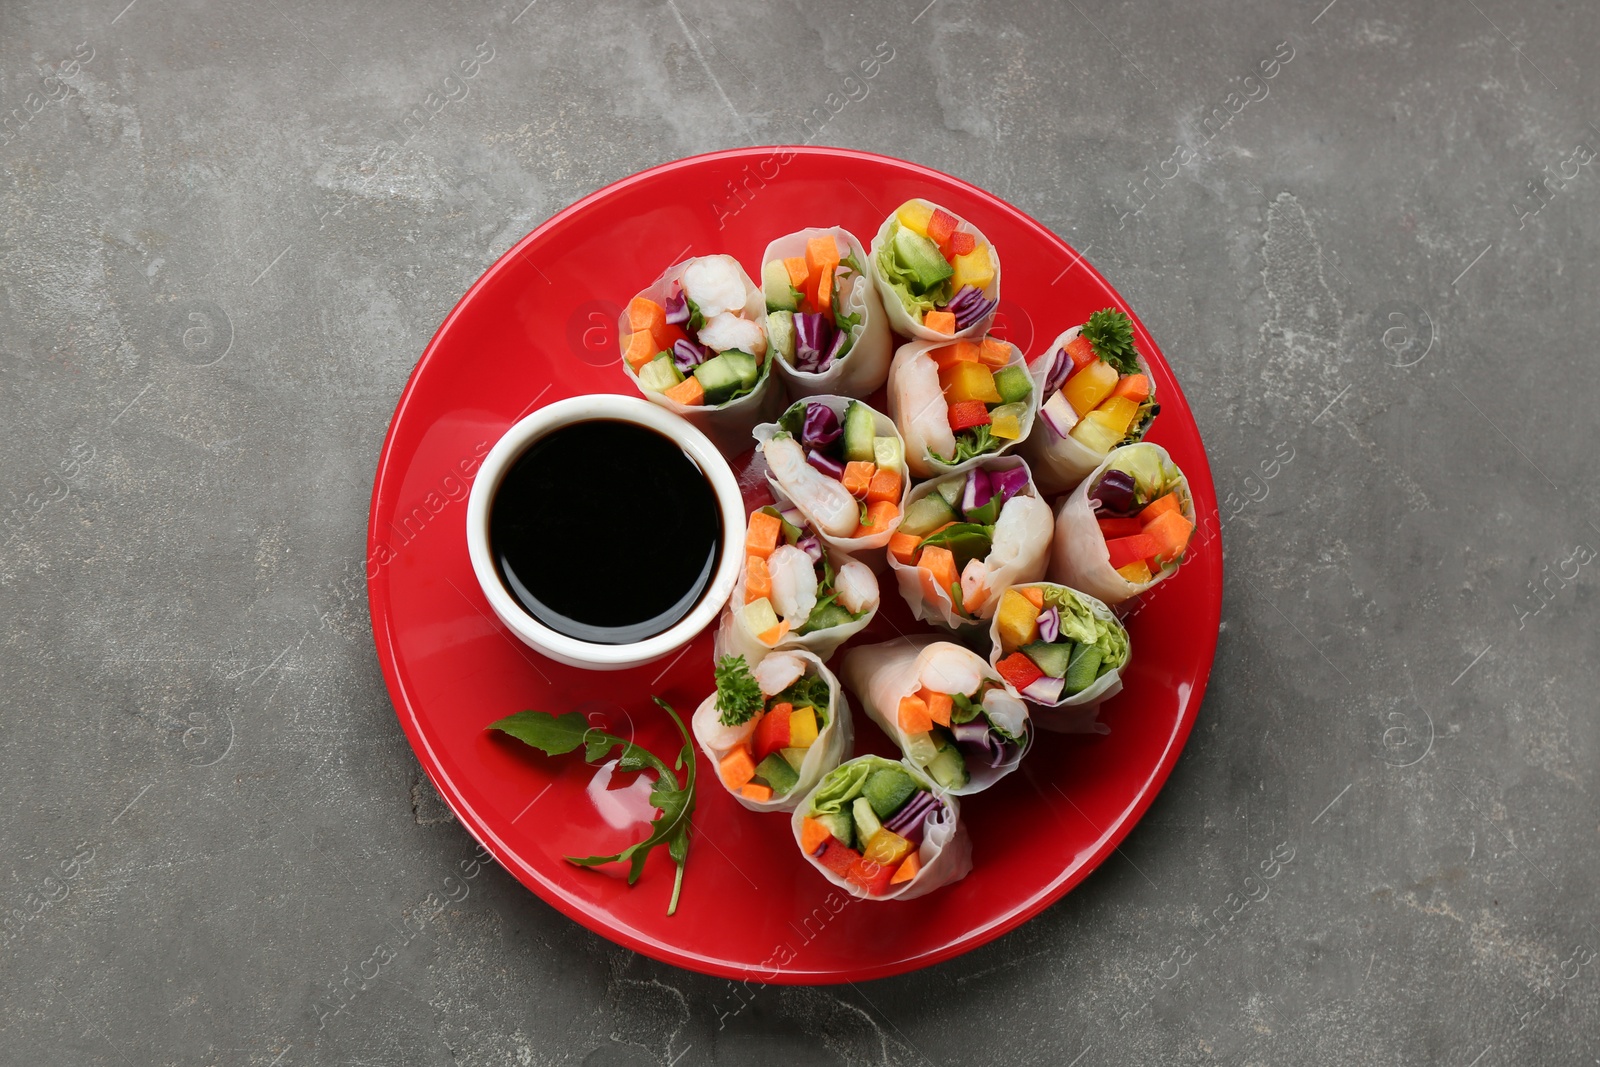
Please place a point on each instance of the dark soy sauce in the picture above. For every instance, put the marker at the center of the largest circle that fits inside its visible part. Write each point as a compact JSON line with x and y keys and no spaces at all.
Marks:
{"x":605,"y":531}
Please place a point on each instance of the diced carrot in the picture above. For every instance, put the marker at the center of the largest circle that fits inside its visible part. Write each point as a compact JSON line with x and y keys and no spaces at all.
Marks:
{"x":813,"y":834}
{"x":757,"y":579}
{"x":689,"y":392}
{"x":1081,"y":351}
{"x":907,"y":870}
{"x":1135,"y":387}
{"x":903,"y":547}
{"x":639,"y":349}
{"x":1033,"y":594}
{"x":798,"y":271}
{"x":940,"y":321}
{"x":913,"y":716}
{"x":646,"y":314}
{"x":755,"y":791}
{"x":941,"y":226}
{"x":736,"y":767}
{"x":773,"y":636}
{"x":940,"y":566}
{"x":858,"y":476}
{"x":886,"y":484}
{"x":958,"y":352}
{"x":994,"y":354}
{"x":761,"y":536}
{"x":966,"y":414}
{"x":821,"y":253}
{"x":822,"y":300}
{"x":1160,"y":506}
{"x":880,"y":514}
{"x":939,"y":705}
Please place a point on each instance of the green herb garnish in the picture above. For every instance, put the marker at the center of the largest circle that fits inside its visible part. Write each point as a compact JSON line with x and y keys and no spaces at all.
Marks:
{"x":1111,"y":333}
{"x":738,"y":695}
{"x":807,"y":691}
{"x":556,"y":735}
{"x":976,"y":441}
{"x":696,"y":321}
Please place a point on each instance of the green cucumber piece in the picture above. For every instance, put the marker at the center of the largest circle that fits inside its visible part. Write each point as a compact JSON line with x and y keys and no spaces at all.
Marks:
{"x":777,"y":773}
{"x":776,"y":288}
{"x":747,"y":366}
{"x":950,"y":489}
{"x":1053,"y":659}
{"x":794,"y":757}
{"x":948,"y":768}
{"x":920,"y":748}
{"x":1013,"y":384}
{"x":840,"y":825}
{"x":926,"y":515}
{"x":859,"y":425}
{"x":888,"y":453}
{"x":659,"y":374}
{"x":921,"y":259}
{"x":719,"y":377}
{"x":867,"y":822}
{"x":780,"y":334}
{"x":887,"y":790}
{"x":1083,"y":669}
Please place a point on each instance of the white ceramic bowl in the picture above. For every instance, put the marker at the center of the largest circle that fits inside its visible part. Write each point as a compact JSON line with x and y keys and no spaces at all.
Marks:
{"x":540,"y":637}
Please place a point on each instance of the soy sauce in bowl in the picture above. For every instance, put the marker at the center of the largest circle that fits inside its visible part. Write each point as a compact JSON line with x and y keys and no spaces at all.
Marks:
{"x":605,"y":531}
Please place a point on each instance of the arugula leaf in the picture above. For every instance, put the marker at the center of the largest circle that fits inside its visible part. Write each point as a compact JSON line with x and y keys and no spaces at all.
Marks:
{"x":696,"y":320}
{"x":1111,"y":333}
{"x":963,"y":709}
{"x":559,"y":734}
{"x":966,"y":541}
{"x":738,"y":695}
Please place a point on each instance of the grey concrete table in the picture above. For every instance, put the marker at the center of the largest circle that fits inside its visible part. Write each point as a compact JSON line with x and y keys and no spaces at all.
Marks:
{"x":1365,"y":235}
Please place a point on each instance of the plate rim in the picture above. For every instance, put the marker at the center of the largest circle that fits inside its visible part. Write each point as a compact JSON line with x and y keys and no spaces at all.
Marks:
{"x":478,"y":829}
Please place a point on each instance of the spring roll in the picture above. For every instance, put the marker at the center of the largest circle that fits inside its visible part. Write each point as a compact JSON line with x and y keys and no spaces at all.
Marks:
{"x":1095,"y":393}
{"x":966,"y":537}
{"x":842,"y":464}
{"x":794,"y":592}
{"x":1061,"y":650}
{"x":825,"y":320}
{"x":958,"y":402}
{"x":938,"y":275}
{"x":773,"y":731}
{"x":882,"y":830}
{"x":695,"y":342}
{"x":1125,"y":527}
{"x":944,"y":706}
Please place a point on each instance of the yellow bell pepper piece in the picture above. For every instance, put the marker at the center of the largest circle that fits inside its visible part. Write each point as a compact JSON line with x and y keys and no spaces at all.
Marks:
{"x":974,"y":268}
{"x":969,"y":381}
{"x":915,"y":215}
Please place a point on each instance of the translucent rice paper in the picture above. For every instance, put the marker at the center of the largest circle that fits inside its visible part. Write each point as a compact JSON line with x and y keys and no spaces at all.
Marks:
{"x":880,"y":675}
{"x":1060,"y":463}
{"x":832,"y":744}
{"x":794,"y":490}
{"x":1076,"y":714}
{"x":1020,"y":552}
{"x":1079,"y":557}
{"x":945,"y":852}
{"x":900,"y":319}
{"x":866,"y":364}
{"x":919,"y":410}
{"x":734,"y":638}
{"x":728,"y":425}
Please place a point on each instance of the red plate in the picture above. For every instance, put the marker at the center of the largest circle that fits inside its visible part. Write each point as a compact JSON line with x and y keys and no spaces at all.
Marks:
{"x":541,"y":325}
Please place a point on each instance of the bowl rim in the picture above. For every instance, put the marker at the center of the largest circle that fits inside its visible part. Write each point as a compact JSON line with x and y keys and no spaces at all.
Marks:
{"x":586,"y":408}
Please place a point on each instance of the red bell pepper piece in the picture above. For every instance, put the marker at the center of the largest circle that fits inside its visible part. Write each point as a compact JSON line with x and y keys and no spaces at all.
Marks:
{"x":871,"y":876}
{"x":1081,"y":351}
{"x":772,"y":732}
{"x":965,"y":414}
{"x":1124,"y":550}
{"x":1110,"y":527}
{"x":941,"y":226}
{"x":837,"y":857}
{"x":1019,"y":671}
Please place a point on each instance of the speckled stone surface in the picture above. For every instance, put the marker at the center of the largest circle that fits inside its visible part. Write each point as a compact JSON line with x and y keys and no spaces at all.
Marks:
{"x":1379,"y":262}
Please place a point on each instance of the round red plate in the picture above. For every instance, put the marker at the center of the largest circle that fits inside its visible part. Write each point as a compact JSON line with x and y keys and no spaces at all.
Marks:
{"x":541,"y":325}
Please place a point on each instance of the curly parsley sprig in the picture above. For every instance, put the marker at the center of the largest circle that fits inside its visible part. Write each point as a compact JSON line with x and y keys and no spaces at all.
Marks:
{"x":738,"y":695}
{"x":1111,"y":333}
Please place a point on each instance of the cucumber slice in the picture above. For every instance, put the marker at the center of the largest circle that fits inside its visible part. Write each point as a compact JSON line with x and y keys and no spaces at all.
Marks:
{"x":720,"y":377}
{"x":794,"y":757}
{"x":859,"y":425}
{"x":1013,"y":384}
{"x":780,"y":333}
{"x":659,"y":374}
{"x":1082,"y":670}
{"x":840,"y":825}
{"x":888,"y":453}
{"x":950,"y":488}
{"x":920,"y":749}
{"x":746,"y":365}
{"x":926,"y":515}
{"x":867,"y":822}
{"x":1050,"y":658}
{"x":777,"y":773}
{"x":886,"y":790}
{"x":775,"y":286}
{"x":948,"y":768}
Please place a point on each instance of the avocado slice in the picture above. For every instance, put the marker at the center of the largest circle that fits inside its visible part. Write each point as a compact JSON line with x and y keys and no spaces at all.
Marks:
{"x":887,"y":790}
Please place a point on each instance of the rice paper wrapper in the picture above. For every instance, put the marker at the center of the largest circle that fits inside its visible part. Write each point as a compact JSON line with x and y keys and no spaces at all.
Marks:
{"x":1019,"y":553}
{"x":918,"y":408}
{"x":802,"y":485}
{"x":1060,"y":463}
{"x":1079,"y":557}
{"x":728,"y":425}
{"x":866,"y":365}
{"x":734,"y":638}
{"x":945,"y":851}
{"x":833,"y":742}
{"x":900,"y":319}
{"x":1079,"y":713}
{"x":880,"y":675}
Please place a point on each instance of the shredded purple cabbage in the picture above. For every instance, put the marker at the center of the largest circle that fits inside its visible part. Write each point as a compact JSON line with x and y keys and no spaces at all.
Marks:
{"x":821,"y":426}
{"x":678,"y":308}
{"x":686,"y":355}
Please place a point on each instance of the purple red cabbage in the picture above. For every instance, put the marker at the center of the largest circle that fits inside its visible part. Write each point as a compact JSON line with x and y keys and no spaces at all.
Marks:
{"x":686,"y":355}
{"x":1060,"y":371}
{"x":1045,"y":690}
{"x":913,"y":816}
{"x":978,"y":491}
{"x":831,"y":467}
{"x":1008,"y":483}
{"x":811,"y":547}
{"x":678,"y":308}
{"x":816,"y":341}
{"x":979,"y":743}
{"x":970,"y":306}
{"x":1049,"y":624}
{"x":1113,"y":495}
{"x":821,"y":426}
